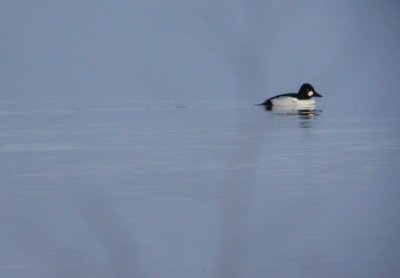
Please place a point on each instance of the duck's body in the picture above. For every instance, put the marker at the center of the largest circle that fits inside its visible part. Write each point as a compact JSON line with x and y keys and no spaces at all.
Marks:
{"x":302,"y":99}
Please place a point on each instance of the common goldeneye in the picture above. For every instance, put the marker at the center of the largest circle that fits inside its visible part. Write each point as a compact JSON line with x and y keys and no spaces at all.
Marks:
{"x":302,"y":99}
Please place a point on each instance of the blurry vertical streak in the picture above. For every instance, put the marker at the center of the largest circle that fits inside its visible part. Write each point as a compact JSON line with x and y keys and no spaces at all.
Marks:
{"x":246,"y":63}
{"x":116,"y":240}
{"x":234,"y":210}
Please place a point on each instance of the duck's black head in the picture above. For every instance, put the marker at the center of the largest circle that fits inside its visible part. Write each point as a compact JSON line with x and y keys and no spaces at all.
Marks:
{"x":307,"y":91}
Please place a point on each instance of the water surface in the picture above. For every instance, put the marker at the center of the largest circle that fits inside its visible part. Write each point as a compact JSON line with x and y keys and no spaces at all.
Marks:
{"x":200,"y":189}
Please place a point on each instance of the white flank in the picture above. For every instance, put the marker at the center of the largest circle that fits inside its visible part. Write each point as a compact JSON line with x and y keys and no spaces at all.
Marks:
{"x":290,"y":101}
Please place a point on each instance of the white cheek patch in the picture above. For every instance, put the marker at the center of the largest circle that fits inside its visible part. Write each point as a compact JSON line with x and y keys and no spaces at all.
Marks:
{"x":310,"y":93}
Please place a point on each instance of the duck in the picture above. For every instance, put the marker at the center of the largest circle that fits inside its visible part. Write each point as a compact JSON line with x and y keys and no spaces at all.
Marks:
{"x":304,"y":98}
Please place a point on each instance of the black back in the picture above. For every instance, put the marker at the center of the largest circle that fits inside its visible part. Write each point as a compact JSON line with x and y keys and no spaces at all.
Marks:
{"x":269,"y":103}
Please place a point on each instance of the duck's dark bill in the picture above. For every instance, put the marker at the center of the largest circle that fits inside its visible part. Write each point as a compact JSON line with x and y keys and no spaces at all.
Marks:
{"x":316,"y":95}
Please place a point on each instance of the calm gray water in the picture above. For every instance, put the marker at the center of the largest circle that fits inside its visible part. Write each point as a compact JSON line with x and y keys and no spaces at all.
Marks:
{"x":201,"y":189}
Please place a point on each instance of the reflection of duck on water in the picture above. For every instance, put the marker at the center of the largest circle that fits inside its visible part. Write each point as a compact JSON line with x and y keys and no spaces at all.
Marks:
{"x":305,"y":115}
{"x":302,"y":100}
{"x":303,"y":112}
